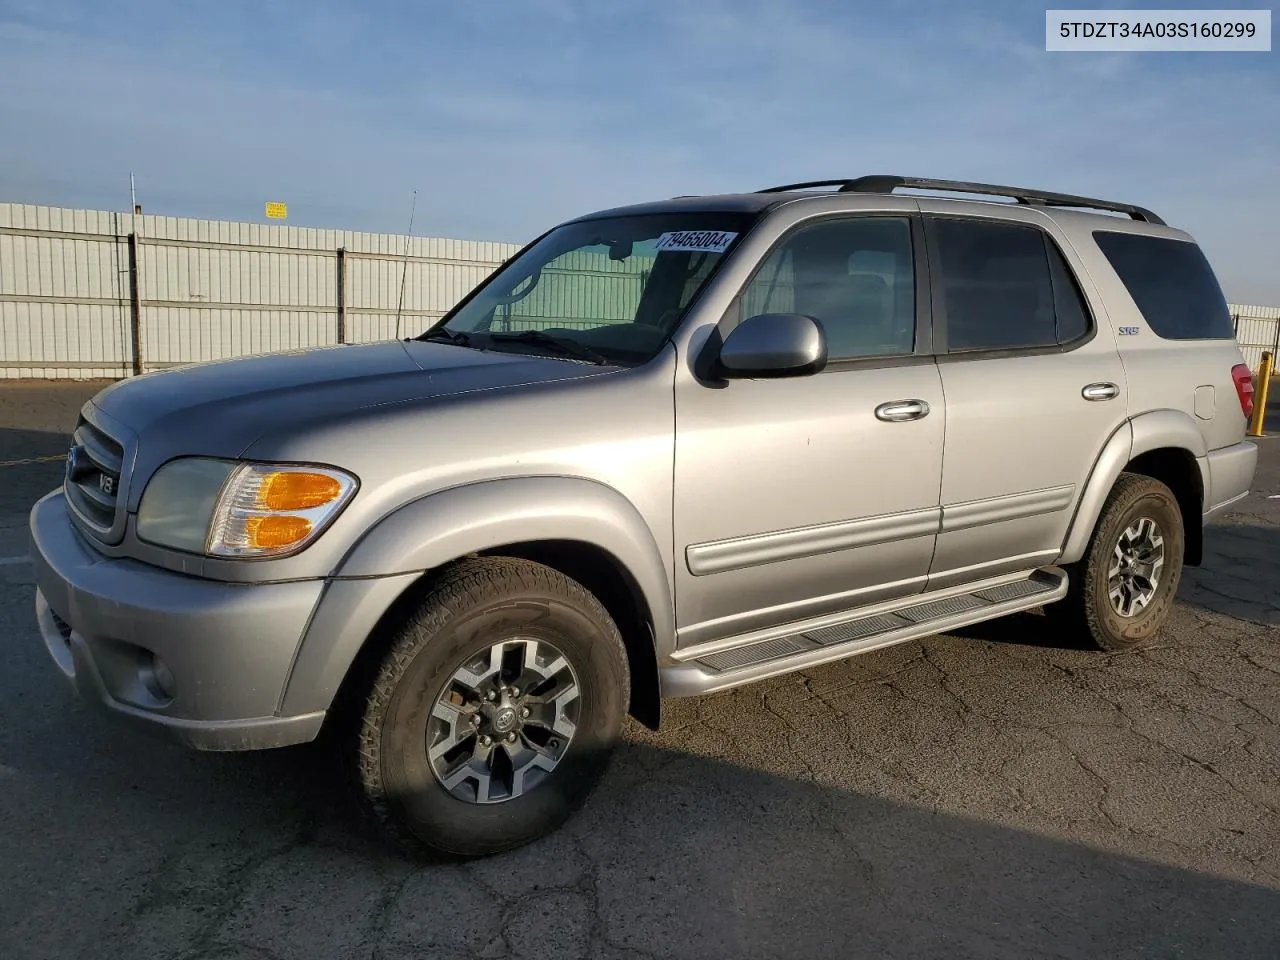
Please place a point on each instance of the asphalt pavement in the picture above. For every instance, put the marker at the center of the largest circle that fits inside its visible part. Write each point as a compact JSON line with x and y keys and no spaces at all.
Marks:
{"x":989,"y":794}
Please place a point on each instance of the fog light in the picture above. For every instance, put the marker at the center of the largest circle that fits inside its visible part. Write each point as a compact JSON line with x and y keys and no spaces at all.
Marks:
{"x":157,"y":677}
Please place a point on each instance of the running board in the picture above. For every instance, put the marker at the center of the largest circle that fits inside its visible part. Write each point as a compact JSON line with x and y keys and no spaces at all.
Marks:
{"x":731,"y":663}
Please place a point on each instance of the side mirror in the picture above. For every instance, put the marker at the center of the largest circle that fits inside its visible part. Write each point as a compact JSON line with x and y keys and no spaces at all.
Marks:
{"x":774,"y":345}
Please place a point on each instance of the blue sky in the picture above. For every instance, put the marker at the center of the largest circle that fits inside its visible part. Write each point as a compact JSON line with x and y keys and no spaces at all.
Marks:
{"x":509,"y":115}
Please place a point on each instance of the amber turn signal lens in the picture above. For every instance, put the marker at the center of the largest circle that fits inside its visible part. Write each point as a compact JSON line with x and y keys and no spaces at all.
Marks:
{"x":293,"y":490}
{"x":267,"y":533}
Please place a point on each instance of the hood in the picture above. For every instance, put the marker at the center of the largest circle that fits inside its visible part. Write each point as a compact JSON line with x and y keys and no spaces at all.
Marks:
{"x":221,"y":408}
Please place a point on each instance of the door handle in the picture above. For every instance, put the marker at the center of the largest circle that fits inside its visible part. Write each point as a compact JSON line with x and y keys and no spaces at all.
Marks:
{"x":1100,"y":391}
{"x":897,"y":411}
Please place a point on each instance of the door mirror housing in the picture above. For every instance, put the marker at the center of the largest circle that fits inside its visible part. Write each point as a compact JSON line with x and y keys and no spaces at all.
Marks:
{"x":771,"y":345}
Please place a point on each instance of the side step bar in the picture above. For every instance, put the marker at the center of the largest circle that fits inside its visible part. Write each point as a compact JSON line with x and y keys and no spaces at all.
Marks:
{"x":727,"y":664}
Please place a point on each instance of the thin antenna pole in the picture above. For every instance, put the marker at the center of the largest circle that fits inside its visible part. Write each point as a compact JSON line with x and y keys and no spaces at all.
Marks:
{"x":404,"y":270}
{"x":133,"y":195}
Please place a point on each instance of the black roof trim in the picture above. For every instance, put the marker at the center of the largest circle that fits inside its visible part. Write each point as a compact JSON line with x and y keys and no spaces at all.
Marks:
{"x":885,"y":183}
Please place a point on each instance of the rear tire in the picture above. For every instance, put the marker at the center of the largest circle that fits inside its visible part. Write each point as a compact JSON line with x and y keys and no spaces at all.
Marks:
{"x":1122,"y":590}
{"x":462,"y":751}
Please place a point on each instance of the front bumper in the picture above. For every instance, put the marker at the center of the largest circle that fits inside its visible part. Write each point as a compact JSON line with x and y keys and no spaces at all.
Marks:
{"x":224,"y":650}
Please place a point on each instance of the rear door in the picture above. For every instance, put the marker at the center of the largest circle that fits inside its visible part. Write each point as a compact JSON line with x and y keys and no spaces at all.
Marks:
{"x":1181,"y":345}
{"x":1033,"y":383}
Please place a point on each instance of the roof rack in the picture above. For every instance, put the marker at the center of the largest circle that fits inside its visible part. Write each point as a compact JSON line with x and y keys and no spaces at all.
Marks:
{"x":879,"y":183}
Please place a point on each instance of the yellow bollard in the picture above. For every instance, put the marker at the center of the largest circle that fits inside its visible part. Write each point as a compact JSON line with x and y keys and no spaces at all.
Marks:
{"x":1263,"y":384}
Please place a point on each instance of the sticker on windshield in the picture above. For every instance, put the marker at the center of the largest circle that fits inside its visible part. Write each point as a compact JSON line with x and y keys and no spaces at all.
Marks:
{"x":695,"y":241}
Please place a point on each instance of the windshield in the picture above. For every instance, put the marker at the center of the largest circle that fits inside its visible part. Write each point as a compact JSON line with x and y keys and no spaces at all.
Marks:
{"x":610,"y":290}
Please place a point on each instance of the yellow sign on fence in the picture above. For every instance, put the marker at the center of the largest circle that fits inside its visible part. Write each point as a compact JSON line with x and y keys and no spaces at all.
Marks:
{"x":277,"y":210}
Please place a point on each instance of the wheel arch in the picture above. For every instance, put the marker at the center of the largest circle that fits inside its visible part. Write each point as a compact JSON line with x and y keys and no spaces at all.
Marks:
{"x":581,"y":528}
{"x":1165,"y":445}
{"x":615,"y":587}
{"x":1178,"y":470}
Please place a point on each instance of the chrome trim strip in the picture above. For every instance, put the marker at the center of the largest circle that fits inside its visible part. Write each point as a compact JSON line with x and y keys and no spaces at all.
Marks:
{"x":720,"y":556}
{"x":977,"y":513}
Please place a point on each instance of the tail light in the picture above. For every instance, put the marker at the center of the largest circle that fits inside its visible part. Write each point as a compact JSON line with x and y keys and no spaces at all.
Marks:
{"x":1243,"y":378}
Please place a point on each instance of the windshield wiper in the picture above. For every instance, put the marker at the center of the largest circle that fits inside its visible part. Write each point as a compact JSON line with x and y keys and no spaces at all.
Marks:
{"x":459,"y":337}
{"x":563,"y":344}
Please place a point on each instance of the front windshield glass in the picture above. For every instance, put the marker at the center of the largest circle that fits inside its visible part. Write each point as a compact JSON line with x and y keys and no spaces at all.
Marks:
{"x":610,"y":290}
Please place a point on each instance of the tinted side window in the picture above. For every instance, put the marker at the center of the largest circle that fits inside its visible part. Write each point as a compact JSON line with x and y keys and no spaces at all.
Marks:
{"x":854,"y":275}
{"x":997,"y":287}
{"x":1172,"y":284}
{"x":1068,"y":302}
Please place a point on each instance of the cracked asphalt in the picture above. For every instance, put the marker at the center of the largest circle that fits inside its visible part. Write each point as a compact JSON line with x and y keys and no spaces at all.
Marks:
{"x":991,"y":793}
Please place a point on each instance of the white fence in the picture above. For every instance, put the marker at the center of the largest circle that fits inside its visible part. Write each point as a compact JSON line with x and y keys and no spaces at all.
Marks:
{"x":87,"y":293}
{"x":90,"y":293}
{"x":1257,"y":329}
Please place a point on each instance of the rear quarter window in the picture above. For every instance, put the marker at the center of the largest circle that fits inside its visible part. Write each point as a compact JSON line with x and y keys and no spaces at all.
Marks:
{"x":1172,"y":284}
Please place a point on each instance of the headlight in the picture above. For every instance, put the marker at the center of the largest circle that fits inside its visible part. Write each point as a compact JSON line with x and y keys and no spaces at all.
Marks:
{"x":179,"y":502}
{"x":226,"y":509}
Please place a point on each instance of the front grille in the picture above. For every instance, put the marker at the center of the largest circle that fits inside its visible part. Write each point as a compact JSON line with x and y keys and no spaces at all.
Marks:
{"x":92,"y":483}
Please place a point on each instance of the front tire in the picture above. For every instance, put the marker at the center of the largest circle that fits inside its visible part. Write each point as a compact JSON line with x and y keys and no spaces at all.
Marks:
{"x":494,"y":711}
{"x":1122,"y":590}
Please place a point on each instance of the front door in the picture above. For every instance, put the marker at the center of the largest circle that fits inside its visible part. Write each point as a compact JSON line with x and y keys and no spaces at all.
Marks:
{"x":802,"y":496}
{"x":1034,"y":388}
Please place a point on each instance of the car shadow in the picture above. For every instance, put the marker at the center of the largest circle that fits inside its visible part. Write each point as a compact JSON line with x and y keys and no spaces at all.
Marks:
{"x":32,"y":446}
{"x":1240,"y":575}
{"x":676,"y":855}
{"x":1031,"y":628}
{"x":31,"y":464}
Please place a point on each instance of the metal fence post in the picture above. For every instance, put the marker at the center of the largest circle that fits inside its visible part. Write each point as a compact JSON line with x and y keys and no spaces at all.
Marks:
{"x":135,"y":306}
{"x":342,"y":295}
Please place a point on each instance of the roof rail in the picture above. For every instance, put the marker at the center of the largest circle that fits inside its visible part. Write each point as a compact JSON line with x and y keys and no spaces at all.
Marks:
{"x":880,"y":183}
{"x":806,"y":185}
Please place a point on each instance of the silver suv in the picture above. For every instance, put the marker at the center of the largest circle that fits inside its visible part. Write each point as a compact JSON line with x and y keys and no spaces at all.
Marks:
{"x":665,"y":450}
